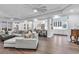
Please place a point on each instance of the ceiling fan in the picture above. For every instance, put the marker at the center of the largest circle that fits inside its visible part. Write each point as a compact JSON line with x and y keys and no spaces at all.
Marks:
{"x":41,"y":9}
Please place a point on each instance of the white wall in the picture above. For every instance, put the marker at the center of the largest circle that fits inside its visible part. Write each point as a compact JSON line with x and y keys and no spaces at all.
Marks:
{"x":73,"y":21}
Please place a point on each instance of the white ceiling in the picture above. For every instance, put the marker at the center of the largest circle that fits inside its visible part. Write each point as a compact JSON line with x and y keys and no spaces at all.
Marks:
{"x":73,"y":9}
{"x":22,"y":11}
{"x":25,"y":10}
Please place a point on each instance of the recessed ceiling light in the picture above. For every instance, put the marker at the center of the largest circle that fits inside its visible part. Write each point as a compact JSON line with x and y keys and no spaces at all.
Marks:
{"x":56,"y":16}
{"x":12,"y":19}
{"x":43,"y":21}
{"x":30,"y":22}
{"x":35,"y":10}
{"x":35,"y":19}
{"x":71,"y":10}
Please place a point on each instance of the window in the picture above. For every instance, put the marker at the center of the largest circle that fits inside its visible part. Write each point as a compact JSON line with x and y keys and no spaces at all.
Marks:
{"x":57,"y":24}
{"x":60,"y":23}
{"x":24,"y":26}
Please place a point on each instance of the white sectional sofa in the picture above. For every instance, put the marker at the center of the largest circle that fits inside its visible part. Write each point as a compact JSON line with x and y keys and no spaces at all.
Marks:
{"x":21,"y":42}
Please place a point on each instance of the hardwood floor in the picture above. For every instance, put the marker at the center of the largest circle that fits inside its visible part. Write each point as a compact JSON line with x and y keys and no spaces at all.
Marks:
{"x":54,"y":45}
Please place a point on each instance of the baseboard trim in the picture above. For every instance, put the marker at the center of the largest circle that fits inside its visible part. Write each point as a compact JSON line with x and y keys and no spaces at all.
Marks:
{"x":61,"y":34}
